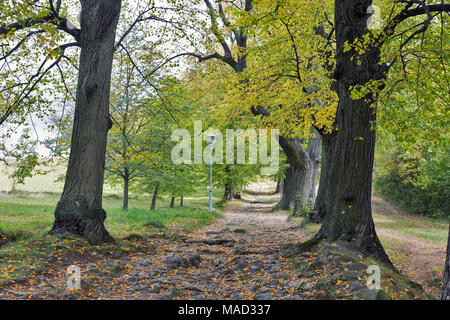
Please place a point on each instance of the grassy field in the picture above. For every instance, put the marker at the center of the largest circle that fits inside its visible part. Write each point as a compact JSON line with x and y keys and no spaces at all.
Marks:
{"x":425,"y":228}
{"x":48,"y":183}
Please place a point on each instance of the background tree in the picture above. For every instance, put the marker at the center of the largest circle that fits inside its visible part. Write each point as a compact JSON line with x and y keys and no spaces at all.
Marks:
{"x":226,"y":39}
{"x":288,"y":83}
{"x":51,"y":22}
{"x":130,"y":114}
{"x":21,"y":159}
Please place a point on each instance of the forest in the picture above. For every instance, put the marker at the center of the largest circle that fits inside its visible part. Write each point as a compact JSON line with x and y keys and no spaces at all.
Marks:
{"x":224,"y":150}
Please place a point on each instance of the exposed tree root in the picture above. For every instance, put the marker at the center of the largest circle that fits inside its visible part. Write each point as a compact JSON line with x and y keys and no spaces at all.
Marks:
{"x":77,"y":218}
{"x":297,"y":249}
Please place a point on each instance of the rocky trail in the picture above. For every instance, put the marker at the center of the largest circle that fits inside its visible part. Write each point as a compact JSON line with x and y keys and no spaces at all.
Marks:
{"x":237,"y":257}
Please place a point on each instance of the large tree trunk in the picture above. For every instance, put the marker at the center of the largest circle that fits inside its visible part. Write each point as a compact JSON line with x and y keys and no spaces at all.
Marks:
{"x":79,"y":210}
{"x":347,"y":208}
{"x":154,"y":197}
{"x":314,"y":155}
{"x":299,"y":183}
{"x":446,"y":286}
{"x":296,"y":191}
{"x":317,"y":213}
{"x":126,"y":181}
{"x":288,"y":192}
{"x":172,"y":201}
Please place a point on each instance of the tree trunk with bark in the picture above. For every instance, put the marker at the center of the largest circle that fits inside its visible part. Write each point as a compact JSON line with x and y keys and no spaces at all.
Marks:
{"x":287,"y":199}
{"x":446,"y":287}
{"x":314,"y":155}
{"x":172,"y":202}
{"x":154,"y":197}
{"x":347,"y":211}
{"x":181,"y":201}
{"x":126,"y":181}
{"x":316,"y":213}
{"x":79,"y":211}
{"x":299,"y":182}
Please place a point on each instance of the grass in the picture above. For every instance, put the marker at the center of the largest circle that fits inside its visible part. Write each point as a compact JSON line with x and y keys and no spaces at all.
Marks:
{"x":425,"y":228}
{"x":26,"y":218}
{"x":48,"y":183}
{"x":431,"y":229}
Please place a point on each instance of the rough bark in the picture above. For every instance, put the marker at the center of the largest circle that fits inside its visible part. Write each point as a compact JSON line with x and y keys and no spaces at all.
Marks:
{"x":446,"y":287}
{"x":154,"y":197}
{"x":317,"y":212}
{"x":79,"y":211}
{"x":126,"y":181}
{"x":347,"y":208}
{"x":299,"y":183}
{"x":314,"y":155}
{"x":172,"y":201}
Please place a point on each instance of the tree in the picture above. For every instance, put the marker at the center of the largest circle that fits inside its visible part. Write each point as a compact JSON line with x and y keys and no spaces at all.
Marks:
{"x":289,"y":86}
{"x":347,"y":207}
{"x":412,"y":165}
{"x":209,"y":96}
{"x":79,"y":210}
{"x":350,"y":55}
{"x":22,"y":158}
{"x":299,"y":184}
{"x":130,"y":115}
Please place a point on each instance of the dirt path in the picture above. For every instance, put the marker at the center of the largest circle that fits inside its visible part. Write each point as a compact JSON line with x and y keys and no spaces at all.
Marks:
{"x":235,"y":258}
{"x":421,"y":260}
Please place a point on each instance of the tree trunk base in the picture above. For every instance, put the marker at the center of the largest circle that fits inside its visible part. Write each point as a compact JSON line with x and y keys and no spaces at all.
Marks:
{"x":367,"y":249}
{"x":282,"y":205}
{"x":315,"y":215}
{"x":77,"y":218}
{"x":296,"y":249}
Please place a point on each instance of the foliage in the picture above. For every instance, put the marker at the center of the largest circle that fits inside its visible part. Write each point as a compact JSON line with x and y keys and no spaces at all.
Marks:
{"x":418,"y":182}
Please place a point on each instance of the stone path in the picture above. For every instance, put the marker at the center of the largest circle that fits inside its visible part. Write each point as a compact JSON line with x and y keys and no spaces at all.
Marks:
{"x":237,"y":257}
